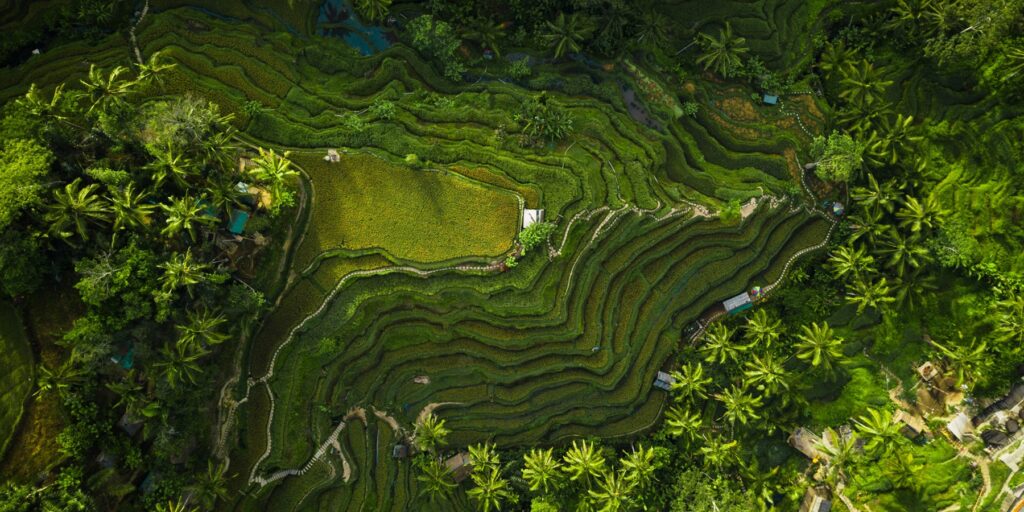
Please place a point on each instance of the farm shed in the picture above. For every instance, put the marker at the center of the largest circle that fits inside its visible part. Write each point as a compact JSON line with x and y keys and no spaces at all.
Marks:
{"x":459,"y":465}
{"x":807,"y":443}
{"x":816,"y":499}
{"x":960,"y":426}
{"x":664,"y":381}
{"x":239,"y":218}
{"x":738,"y":303}
{"x":532,"y":217}
{"x":771,"y":99}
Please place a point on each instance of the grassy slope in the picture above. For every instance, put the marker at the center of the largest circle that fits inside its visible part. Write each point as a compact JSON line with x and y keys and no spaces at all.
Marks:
{"x":16,"y":378}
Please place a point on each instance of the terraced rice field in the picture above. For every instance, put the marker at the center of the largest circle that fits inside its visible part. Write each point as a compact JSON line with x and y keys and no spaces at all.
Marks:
{"x":16,"y":382}
{"x":398,"y":268}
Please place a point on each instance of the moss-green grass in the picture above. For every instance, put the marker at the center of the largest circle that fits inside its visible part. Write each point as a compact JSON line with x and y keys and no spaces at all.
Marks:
{"x":365,"y":202}
{"x":17,"y":375}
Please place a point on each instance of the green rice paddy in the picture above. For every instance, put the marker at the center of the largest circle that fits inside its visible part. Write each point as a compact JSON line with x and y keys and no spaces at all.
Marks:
{"x":16,"y":381}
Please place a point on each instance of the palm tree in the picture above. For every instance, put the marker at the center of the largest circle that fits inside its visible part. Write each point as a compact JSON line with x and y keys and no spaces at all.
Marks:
{"x":835,"y":58}
{"x":42,"y":107}
{"x":185,"y":214}
{"x":152,"y":71}
{"x":863,"y":84}
{"x":893,"y":139}
{"x":652,"y":29}
{"x":130,"y":209}
{"x":719,"y":347}
{"x":183,"y":271}
{"x":202,"y":328}
{"x":74,"y":208}
{"x":373,"y":10}
{"x":740,"y":407}
{"x":430,"y":433}
{"x":920,"y":215}
{"x":841,"y":451}
{"x":968,"y":360}
{"x":103,"y":89}
{"x":638,"y":466}
{"x":762,"y":330}
{"x":724,"y":54}
{"x":819,"y":346}
{"x":180,"y":364}
{"x":541,"y":470}
{"x":869,"y":225}
{"x":59,"y":379}
{"x":178,"y":505}
{"x":878,"y":430}
{"x":851,"y":262}
{"x":583,"y":462}
{"x":486,"y":33}
{"x":717,"y":452}
{"x":914,"y":289}
{"x":690,"y":382}
{"x":483,"y":456}
{"x":131,"y":394}
{"x":567,"y":33}
{"x":866,"y":293}
{"x":904,"y":253}
{"x":491,"y":489}
{"x":862,"y":118}
{"x":767,"y":373}
{"x":273,"y":170}
{"x":1010,"y":318}
{"x":875,"y":196}
{"x":436,"y":479}
{"x":169,"y":162}
{"x":225,"y":196}
{"x":211,"y":486}
{"x":681,"y":422}
{"x":613,"y":492}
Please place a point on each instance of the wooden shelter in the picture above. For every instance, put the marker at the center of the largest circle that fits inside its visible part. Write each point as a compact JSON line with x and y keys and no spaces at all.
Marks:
{"x":807,"y":443}
{"x":459,"y":465}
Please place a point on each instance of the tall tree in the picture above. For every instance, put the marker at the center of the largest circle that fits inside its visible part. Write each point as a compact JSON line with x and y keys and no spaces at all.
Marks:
{"x":682,"y":422}
{"x":58,"y":379}
{"x":638,"y":466}
{"x":202,"y":327}
{"x":724,"y":54}
{"x":568,"y":33}
{"x":762,"y":330}
{"x":211,"y":486}
{"x":185,"y":215}
{"x":863,"y":84}
{"x":130,"y":208}
{"x":612,"y":493}
{"x":718,"y":452}
{"x":839,"y":157}
{"x":719,"y":347}
{"x":24,"y":164}
{"x":878,"y":428}
{"x":849,"y":262}
{"x":869,"y":293}
{"x":767,"y":373}
{"x":819,"y":346}
{"x":739,"y":406}
{"x":486,"y":33}
{"x":430,"y":433}
{"x":436,"y":479}
{"x":74,"y":208}
{"x":690,"y":382}
{"x":373,"y":10}
{"x":182,"y":271}
{"x":583,"y":462}
{"x":179,"y":364}
{"x":920,"y":215}
{"x":541,"y":470}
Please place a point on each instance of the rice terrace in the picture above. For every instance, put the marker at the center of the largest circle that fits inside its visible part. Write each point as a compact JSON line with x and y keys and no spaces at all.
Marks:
{"x":602,"y":255}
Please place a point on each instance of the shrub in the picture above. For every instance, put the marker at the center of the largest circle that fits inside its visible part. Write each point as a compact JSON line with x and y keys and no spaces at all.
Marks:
{"x":544,"y":119}
{"x":383,"y":109}
{"x":518,"y":69}
{"x":534,"y":234}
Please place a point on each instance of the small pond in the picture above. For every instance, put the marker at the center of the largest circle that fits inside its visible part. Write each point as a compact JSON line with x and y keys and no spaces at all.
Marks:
{"x":339,"y":19}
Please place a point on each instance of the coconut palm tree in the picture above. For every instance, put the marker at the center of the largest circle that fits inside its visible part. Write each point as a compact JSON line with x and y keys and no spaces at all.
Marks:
{"x":638,"y":466}
{"x":878,"y":429}
{"x":373,"y":10}
{"x":861,"y":119}
{"x":767,"y":373}
{"x":863,"y":84}
{"x":914,"y":289}
{"x":613,"y":492}
{"x":690,"y":382}
{"x":181,"y":270}
{"x":922,"y":215}
{"x":652,"y":29}
{"x":718,"y":453}
{"x":202,"y":327}
{"x":486,"y":33}
{"x":681,"y":422}
{"x":58,"y":379}
{"x":178,"y":505}
{"x":739,"y":406}
{"x":1010,"y":318}
{"x":911,"y":17}
{"x":130,"y":209}
{"x":103,"y":89}
{"x":893,"y":139}
{"x":819,"y":346}
{"x":435,"y":479}
{"x":491,"y":489}
{"x":968,"y":360}
{"x":868,"y":225}
{"x":180,"y":364}
{"x":273,"y":170}
{"x":835,"y":59}
{"x":719,"y":347}
{"x":724,"y":54}
{"x":483,"y":456}
{"x":74,"y":209}
{"x":904,"y":253}
{"x":851,"y":262}
{"x":170,"y":163}
{"x":430,"y":433}
{"x":866,"y":293}
{"x":841,"y":452}
{"x":211,"y":486}
{"x":876,"y":197}
{"x":130,"y":393}
{"x":225,"y":195}
{"x":541,"y":470}
{"x":583,"y":462}
{"x":153,"y":70}
{"x":186,"y":214}
{"x":567,"y":33}
{"x":762,"y":330}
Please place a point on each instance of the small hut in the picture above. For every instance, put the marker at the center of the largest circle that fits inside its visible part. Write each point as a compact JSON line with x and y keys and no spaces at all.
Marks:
{"x":738,"y":303}
{"x":995,"y":438}
{"x":532,"y":216}
{"x":770,"y":99}
{"x":816,"y":499}
{"x":927,"y":371}
{"x":807,"y":443}
{"x":239,"y":218}
{"x":960,"y":426}
{"x":333,"y":156}
{"x":913,"y":426}
{"x":664,"y":381}
{"x":400,"y":451}
{"x":459,"y":465}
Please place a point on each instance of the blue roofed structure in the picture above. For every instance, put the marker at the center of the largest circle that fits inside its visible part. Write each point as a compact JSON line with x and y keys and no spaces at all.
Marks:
{"x":771,"y":99}
{"x":238,"y":220}
{"x":738,"y":303}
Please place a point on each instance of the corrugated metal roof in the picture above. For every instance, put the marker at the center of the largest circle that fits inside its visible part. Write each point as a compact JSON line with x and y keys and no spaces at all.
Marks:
{"x":737,"y":301}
